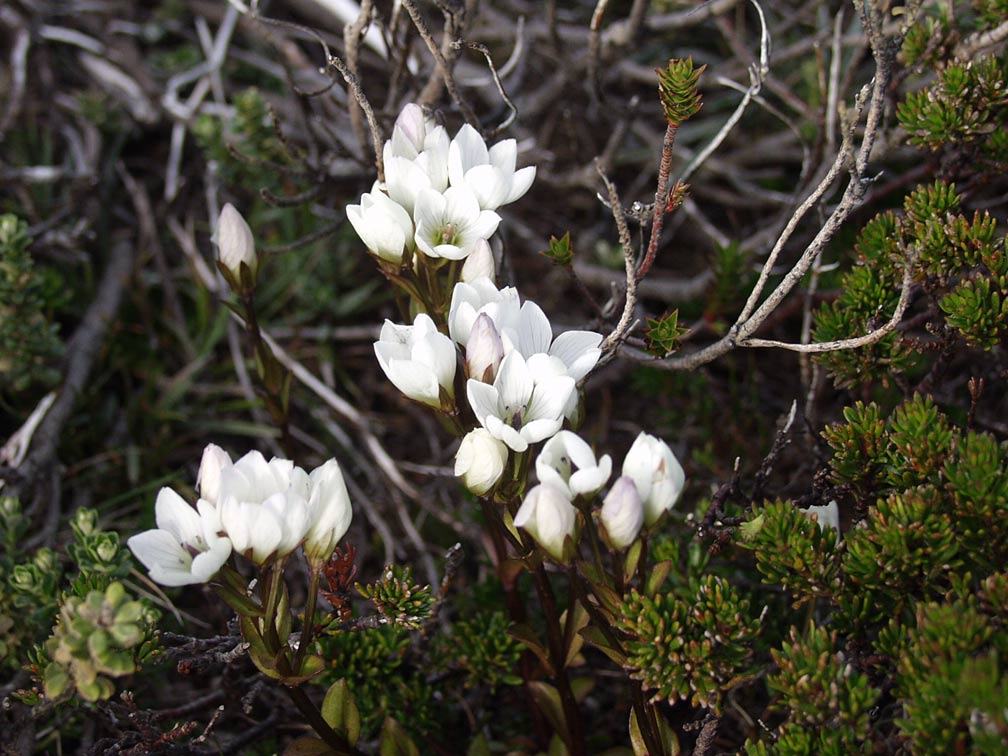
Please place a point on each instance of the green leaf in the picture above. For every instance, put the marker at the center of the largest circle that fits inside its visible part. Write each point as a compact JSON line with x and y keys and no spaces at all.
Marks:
{"x":341,"y":713}
{"x":560,"y":251}
{"x":548,"y":700}
{"x":664,"y":335}
{"x":657,"y":577}
{"x":395,"y":741}
{"x":479,"y":746}
{"x":527,"y":637}
{"x":632,"y":560}
{"x":579,"y":621}
{"x":597,"y":638}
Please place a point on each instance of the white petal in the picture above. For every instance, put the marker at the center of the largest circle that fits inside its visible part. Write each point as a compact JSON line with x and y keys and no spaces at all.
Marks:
{"x":483,"y":398}
{"x":520,"y":183}
{"x":174,"y":515}
{"x":534,"y":332}
{"x":503,"y":156}
{"x":578,"y":350}
{"x":158,"y":547}
{"x":207,"y":564}
{"x":514,"y":384}
{"x":466,"y":150}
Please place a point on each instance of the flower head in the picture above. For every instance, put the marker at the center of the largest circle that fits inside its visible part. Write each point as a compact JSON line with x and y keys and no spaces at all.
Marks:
{"x":329,"y":511}
{"x":185,"y":548}
{"x":567,"y":462}
{"x":471,"y":299}
{"x":418,"y":360}
{"x":383,"y":225}
{"x":549,"y":517}
{"x":524,"y":404}
{"x":622,"y":513}
{"x":263,"y":506}
{"x":490,"y":174}
{"x":657,"y":474}
{"x":450,"y":225}
{"x":480,"y":461}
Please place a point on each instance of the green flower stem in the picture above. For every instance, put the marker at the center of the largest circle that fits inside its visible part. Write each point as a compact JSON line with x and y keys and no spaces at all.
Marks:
{"x":276,"y":404}
{"x":271,"y":599}
{"x":558,"y":654}
{"x":593,"y":537}
{"x":314,"y":573}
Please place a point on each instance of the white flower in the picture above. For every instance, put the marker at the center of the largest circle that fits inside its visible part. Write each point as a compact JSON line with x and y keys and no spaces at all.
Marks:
{"x":329,"y":511}
{"x":415,"y":158}
{"x":622,"y":513}
{"x":479,"y":264}
{"x":550,"y":518}
{"x":185,"y":548}
{"x":657,"y":474}
{"x":577,"y":351}
{"x":449,"y":225}
{"x":263,"y":506}
{"x":524,"y":405}
{"x":567,"y":462}
{"x":827,"y":515}
{"x":384,"y":226}
{"x":484,"y":351}
{"x":418,"y":360}
{"x":410,"y":132}
{"x":213,"y":462}
{"x":480,"y":461}
{"x":470,"y":299}
{"x":235,"y":244}
{"x":489,"y":173}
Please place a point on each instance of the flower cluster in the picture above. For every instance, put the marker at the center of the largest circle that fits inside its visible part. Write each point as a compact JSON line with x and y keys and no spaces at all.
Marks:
{"x":651,"y":482}
{"x":439,"y":195}
{"x":261,"y":510}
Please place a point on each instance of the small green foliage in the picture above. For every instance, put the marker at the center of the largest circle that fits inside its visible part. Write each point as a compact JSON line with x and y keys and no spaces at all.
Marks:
{"x":794,"y":551}
{"x":560,"y":251}
{"x":664,"y":335}
{"x":374,"y":664}
{"x":29,"y":345}
{"x":692,"y":645}
{"x":98,"y":637}
{"x":398,"y":598}
{"x":98,"y":554}
{"x":963,"y":107}
{"x":482,"y":647}
{"x":677,"y":86}
{"x":906,"y":549}
{"x":954,"y":684}
{"x":859,"y":449}
{"x":919,"y":440}
{"x":978,"y":312}
{"x":817,"y":686}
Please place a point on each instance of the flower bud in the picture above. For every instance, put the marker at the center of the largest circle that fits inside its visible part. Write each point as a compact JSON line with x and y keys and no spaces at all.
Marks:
{"x":485,"y":350}
{"x":479,"y":264}
{"x":827,"y":515}
{"x":480,"y":461}
{"x":208,"y":478}
{"x":657,"y":474}
{"x":550,"y":518}
{"x":329,"y":512}
{"x":622,"y":513}
{"x":235,"y":244}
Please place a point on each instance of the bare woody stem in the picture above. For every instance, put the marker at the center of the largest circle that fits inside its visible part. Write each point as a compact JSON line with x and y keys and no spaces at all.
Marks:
{"x":661,"y":198}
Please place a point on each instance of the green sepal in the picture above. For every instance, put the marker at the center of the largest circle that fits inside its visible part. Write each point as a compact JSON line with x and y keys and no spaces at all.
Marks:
{"x":657,"y":577}
{"x":341,"y":713}
{"x":632,"y":560}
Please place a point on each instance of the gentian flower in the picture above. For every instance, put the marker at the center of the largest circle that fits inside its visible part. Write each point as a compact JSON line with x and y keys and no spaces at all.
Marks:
{"x":185,"y":548}
{"x":524,"y":405}
{"x":568,"y":462}
{"x":263,"y":506}
{"x":450,"y":225}
{"x":549,"y":517}
{"x":418,"y":360}
{"x":479,"y":264}
{"x":329,"y":511}
{"x":470,"y":299}
{"x":383,"y":225}
{"x":489,"y":173}
{"x":622,"y":513}
{"x":415,"y":158}
{"x":235,"y":244}
{"x":480,"y":461}
{"x":657,"y":474}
